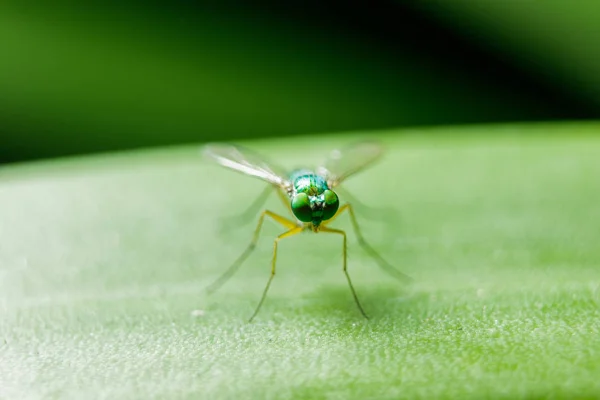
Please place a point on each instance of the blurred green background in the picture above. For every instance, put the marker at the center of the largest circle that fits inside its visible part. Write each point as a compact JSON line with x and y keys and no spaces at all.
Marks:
{"x":78,"y":77}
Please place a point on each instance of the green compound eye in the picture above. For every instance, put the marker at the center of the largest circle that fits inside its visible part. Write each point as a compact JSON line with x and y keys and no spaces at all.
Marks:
{"x":332,"y":203}
{"x":301,"y":207}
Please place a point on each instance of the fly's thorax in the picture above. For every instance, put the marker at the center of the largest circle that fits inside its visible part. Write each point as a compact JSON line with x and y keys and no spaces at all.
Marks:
{"x":311,"y":199}
{"x":309,"y":183}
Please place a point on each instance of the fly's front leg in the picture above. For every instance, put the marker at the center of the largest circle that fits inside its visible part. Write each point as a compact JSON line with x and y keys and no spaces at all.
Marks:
{"x":238,"y":262}
{"x":345,"y":266}
{"x":245,"y":217}
{"x":297,"y":229}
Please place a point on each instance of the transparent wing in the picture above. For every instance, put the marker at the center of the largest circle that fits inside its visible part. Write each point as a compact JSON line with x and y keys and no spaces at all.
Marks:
{"x":245,"y":161}
{"x":347,"y":161}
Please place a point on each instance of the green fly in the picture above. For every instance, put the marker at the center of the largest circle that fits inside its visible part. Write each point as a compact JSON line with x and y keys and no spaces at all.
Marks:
{"x":309,"y":197}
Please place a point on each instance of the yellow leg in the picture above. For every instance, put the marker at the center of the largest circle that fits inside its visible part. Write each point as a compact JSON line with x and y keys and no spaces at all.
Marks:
{"x":242,"y":219}
{"x":291,"y":232}
{"x":387,"y":267}
{"x":345,"y":266}
{"x":237,"y":263}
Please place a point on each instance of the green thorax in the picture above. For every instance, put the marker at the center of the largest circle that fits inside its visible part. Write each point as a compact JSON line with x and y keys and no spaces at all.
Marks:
{"x":305,"y":181}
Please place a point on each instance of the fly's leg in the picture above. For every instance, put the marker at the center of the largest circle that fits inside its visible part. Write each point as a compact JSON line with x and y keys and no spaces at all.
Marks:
{"x":286,"y":202}
{"x":293,"y":231}
{"x":245,"y":217}
{"x":345,"y":266}
{"x":383,"y":264}
{"x":237,"y":263}
{"x":383,"y":214}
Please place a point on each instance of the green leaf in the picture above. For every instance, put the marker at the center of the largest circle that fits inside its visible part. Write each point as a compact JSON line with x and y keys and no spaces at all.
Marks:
{"x":103,"y":261}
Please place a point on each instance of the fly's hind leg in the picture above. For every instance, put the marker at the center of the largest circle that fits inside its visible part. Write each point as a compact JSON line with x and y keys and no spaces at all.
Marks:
{"x":236,"y":221}
{"x":383,"y":264}
{"x":383,"y":214}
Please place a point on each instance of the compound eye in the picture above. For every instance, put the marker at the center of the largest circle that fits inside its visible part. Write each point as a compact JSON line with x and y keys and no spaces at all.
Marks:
{"x":331,"y":205}
{"x":301,"y":207}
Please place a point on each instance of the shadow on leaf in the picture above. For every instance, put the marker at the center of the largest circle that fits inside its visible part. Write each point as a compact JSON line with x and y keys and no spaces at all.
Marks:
{"x":380,"y":303}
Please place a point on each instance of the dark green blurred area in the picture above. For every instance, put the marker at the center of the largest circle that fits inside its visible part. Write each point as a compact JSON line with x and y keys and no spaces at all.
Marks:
{"x":99,"y":76}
